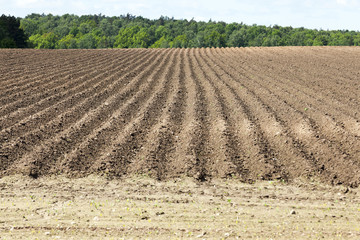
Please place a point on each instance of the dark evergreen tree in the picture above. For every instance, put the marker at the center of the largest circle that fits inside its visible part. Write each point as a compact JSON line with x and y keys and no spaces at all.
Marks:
{"x":11,"y":36}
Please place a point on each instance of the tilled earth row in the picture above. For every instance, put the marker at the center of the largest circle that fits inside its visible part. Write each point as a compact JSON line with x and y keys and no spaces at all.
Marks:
{"x":254,"y":113}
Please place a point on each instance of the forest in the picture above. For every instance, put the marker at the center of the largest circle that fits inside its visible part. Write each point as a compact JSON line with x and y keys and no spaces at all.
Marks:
{"x":70,"y":31}
{"x":11,"y":36}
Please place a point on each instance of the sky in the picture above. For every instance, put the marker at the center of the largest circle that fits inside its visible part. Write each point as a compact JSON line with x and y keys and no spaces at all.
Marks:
{"x":319,"y":14}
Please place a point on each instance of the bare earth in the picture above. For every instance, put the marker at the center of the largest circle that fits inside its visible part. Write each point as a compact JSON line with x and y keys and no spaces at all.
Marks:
{"x":254,"y":113}
{"x":274,"y":129}
{"x":143,"y":208}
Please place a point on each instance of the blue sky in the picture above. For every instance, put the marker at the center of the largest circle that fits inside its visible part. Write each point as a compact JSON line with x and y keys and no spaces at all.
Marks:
{"x":324,"y":14}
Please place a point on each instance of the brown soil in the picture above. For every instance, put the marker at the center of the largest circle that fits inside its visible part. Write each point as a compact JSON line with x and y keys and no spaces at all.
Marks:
{"x":251,"y":113}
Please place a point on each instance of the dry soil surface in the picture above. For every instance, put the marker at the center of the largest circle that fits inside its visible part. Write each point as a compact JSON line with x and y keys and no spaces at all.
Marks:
{"x":183,"y":208}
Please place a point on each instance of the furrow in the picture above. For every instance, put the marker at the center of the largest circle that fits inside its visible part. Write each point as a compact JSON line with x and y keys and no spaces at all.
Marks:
{"x":197,"y":132}
{"x":287,"y":148}
{"x":332,"y":62}
{"x":327,"y":87}
{"x":15,"y":126}
{"x":29,"y":67}
{"x":262,"y":153}
{"x":119,"y":155}
{"x":49,"y":87}
{"x":14,"y":149}
{"x":332,"y":119}
{"x":219,"y":153}
{"x":183,"y":158}
{"x":342,"y":136}
{"x":236,"y":151}
{"x":33,"y":74}
{"x":339,"y":128}
{"x":49,"y":94}
{"x":253,"y":113}
{"x":84,"y":124}
{"x":312,"y":143}
{"x":95,"y":145}
{"x":17,"y":63}
{"x":154,"y":155}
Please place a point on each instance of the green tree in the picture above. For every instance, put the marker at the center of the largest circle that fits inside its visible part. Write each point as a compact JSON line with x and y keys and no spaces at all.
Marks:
{"x":87,"y":27}
{"x":161,"y":43}
{"x":357,"y":40}
{"x":67,"y":42}
{"x":340,"y":39}
{"x":46,"y":41}
{"x":161,"y":31}
{"x":87,"y":41}
{"x":141,"y":39}
{"x":180,"y":41}
{"x":320,"y":40}
{"x":274,"y":39}
{"x":129,"y":31}
{"x":125,"y":37}
{"x":132,"y":37}
{"x":29,"y":26}
{"x":215,"y":39}
{"x":107,"y":28}
{"x":237,"y":38}
{"x":297,"y":39}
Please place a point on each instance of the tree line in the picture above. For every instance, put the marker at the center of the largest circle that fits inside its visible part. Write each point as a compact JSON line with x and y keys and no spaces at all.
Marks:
{"x":129,"y":31}
{"x":11,"y":36}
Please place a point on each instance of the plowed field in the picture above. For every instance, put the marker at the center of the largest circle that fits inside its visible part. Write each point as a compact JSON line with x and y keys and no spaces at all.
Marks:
{"x":254,"y":113}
